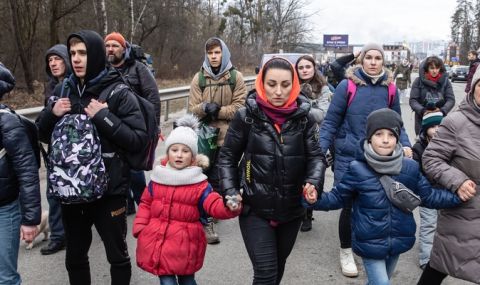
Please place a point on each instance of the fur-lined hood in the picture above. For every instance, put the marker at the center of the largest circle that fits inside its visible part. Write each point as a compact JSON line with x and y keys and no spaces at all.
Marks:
{"x":355,"y":74}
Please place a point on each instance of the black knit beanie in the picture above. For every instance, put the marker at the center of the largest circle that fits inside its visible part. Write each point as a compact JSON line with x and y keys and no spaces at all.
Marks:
{"x":384,"y":119}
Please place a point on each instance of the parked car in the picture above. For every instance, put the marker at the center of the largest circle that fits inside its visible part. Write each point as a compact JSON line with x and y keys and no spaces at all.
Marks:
{"x":449,"y":70}
{"x":292,"y":57}
{"x":459,"y":73}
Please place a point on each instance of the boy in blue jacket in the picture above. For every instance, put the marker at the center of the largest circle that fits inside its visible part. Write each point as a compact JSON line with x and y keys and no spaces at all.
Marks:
{"x":380,"y":230}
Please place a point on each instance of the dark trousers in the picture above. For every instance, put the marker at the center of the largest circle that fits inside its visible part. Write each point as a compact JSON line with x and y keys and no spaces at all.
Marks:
{"x":108,"y":216}
{"x":212,"y":172}
{"x":431,"y":276}
{"x":137,"y":184}
{"x":345,"y":226}
{"x":268,"y":246}
{"x":57,"y":234}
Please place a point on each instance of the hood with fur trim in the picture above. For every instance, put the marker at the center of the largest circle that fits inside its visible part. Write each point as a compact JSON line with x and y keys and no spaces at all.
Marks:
{"x":355,"y":74}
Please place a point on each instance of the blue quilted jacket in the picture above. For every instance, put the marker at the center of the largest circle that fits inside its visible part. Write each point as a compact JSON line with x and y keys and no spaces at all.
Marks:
{"x":379,"y":228}
{"x":345,"y":127}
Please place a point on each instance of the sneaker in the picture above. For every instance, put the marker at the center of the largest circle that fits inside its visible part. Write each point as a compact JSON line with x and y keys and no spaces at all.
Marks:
{"x":306,"y":225}
{"x":212,"y":237}
{"x":52,"y":247}
{"x":349,"y":268}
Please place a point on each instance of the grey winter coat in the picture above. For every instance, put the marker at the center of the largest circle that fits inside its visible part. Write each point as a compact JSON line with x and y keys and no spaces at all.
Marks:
{"x":319,"y":101}
{"x":450,"y":159}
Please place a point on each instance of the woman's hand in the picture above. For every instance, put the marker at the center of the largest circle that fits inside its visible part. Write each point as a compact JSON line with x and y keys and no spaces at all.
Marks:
{"x":467,"y":190}
{"x":407,"y":152}
{"x":310,"y":193}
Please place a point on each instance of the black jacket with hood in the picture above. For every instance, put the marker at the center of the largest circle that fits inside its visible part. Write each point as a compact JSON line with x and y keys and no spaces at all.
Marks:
{"x":141,"y":80}
{"x":121,"y":126}
{"x":61,"y":51}
{"x":423,"y":88}
{"x":18,"y":170}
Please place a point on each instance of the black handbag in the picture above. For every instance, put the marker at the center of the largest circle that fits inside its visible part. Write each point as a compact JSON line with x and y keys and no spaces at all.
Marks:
{"x":400,"y":196}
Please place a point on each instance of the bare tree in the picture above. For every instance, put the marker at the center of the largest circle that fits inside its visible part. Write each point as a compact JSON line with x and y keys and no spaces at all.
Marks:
{"x":24,"y":23}
{"x":58,"y":12}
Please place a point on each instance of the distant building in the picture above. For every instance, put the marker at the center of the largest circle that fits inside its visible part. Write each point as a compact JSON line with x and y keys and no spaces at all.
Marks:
{"x":396,"y":53}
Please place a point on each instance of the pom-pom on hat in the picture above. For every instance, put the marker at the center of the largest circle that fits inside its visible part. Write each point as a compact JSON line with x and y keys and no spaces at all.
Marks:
{"x":116,"y":37}
{"x":384,"y":118}
{"x":185,"y":132}
{"x":431,"y":119}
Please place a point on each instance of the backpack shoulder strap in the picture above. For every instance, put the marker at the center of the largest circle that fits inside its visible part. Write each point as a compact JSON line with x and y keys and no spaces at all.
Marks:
{"x":65,"y":92}
{"x":351,"y":91}
{"x":392,"y":90}
{"x":110,"y":90}
{"x":202,"y":81}
{"x":150,"y":188}
{"x":203,"y":214}
{"x":233,"y":78}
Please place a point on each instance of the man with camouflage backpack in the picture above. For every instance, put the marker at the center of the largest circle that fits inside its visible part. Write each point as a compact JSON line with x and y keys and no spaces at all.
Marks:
{"x":142,"y":82}
{"x":217,"y":91}
{"x":91,"y":122}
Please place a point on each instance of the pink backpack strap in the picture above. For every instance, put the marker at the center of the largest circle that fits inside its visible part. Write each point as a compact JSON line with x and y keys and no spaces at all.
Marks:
{"x":392,"y":90}
{"x":351,"y":91}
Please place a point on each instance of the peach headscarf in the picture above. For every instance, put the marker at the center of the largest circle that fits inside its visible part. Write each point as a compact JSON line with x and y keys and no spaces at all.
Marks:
{"x":295,"y":86}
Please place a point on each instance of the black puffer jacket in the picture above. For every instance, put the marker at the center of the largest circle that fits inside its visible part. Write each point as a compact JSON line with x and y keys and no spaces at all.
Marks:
{"x":274,"y":166}
{"x":18,"y":169}
{"x":121,"y":126}
{"x":141,"y":80}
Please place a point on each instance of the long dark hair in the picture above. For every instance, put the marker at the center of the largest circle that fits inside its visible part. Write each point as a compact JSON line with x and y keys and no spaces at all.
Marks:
{"x":317,"y":81}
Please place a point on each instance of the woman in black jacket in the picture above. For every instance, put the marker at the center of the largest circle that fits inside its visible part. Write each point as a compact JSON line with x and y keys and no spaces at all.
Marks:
{"x":281,"y":156}
{"x":19,"y":186}
{"x":431,"y":90}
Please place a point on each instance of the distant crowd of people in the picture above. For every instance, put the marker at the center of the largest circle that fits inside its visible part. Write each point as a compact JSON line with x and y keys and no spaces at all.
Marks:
{"x":268,"y":150}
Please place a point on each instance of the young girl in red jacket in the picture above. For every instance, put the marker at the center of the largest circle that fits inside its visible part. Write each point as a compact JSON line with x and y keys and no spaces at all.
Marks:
{"x":171,"y":241}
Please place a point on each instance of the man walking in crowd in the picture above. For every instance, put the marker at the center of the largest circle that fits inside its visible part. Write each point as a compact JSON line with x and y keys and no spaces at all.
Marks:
{"x":57,"y":67}
{"x":142,"y":82}
{"x":217,"y":91}
{"x":474,"y":61}
{"x":118,"y":127}
{"x":403,"y":79}
{"x":19,"y":187}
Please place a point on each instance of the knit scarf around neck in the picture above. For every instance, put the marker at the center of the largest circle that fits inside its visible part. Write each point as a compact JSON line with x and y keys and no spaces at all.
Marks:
{"x":276,"y":114}
{"x":389,"y":165}
{"x":374,"y":78}
{"x":428,"y":76}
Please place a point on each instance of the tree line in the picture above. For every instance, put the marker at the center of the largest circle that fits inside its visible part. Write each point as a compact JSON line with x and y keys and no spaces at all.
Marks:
{"x":465,"y":27}
{"x":172,"y":31}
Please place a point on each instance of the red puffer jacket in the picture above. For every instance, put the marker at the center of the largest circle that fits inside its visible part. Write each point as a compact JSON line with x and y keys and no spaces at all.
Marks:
{"x":170,"y":236}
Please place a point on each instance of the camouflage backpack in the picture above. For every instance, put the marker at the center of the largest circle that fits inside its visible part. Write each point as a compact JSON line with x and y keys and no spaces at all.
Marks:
{"x":77,"y":172}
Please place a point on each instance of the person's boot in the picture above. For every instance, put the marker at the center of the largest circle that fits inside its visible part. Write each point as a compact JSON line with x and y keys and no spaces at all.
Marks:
{"x":307,"y":221}
{"x":52,"y":247}
{"x":212,"y":237}
{"x":349,"y":268}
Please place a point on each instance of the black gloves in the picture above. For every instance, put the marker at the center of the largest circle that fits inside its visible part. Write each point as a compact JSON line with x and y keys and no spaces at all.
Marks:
{"x":212,"y":110}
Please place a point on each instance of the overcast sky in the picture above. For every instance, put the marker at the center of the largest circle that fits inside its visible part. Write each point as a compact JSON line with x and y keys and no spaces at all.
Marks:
{"x":382,"y":21}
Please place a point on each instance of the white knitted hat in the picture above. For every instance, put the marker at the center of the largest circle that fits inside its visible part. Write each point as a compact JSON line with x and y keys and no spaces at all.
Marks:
{"x":185,"y":133}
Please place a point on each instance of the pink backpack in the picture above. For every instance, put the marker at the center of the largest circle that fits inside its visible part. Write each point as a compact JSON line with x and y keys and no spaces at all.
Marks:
{"x":352,"y":89}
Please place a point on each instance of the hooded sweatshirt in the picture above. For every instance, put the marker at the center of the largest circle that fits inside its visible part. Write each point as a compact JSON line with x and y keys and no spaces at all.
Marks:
{"x":61,"y":51}
{"x":226,"y":63}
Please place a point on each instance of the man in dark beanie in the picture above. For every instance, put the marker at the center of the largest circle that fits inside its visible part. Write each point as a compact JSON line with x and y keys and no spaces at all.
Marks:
{"x":94,"y":98}
{"x":19,"y":186}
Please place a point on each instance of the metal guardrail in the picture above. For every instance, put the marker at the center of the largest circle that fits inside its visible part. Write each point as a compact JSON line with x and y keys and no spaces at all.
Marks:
{"x":166,"y":95}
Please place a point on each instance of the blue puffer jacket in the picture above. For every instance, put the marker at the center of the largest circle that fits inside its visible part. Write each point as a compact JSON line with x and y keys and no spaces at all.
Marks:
{"x":380,"y":229}
{"x":346,"y":127}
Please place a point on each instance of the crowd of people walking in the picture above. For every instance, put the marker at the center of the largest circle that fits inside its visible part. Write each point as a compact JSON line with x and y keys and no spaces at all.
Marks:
{"x":270,"y":150}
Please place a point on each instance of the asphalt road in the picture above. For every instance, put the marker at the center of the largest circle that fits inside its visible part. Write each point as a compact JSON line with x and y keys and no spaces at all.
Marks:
{"x":314,"y":260}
